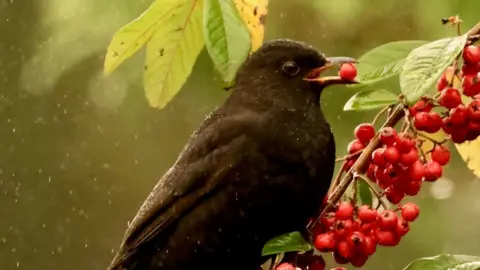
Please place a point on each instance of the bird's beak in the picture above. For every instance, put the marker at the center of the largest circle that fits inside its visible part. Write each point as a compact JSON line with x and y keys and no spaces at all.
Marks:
{"x":331,"y":62}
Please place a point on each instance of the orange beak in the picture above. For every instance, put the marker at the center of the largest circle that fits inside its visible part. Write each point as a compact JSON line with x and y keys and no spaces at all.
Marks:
{"x":313,"y":76}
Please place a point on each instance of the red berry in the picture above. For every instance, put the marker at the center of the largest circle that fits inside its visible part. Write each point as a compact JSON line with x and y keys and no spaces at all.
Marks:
{"x":471,"y":85}
{"x":442,"y":82}
{"x":471,"y":54}
{"x":318,"y":265}
{"x":416,"y":172}
{"x":402,"y":227}
{"x":359,"y":259}
{"x":347,"y":71}
{"x":433,"y":171}
{"x":343,"y":228}
{"x":471,"y":69}
{"x":344,"y":211}
{"x":423,"y":105}
{"x":285,"y":266}
{"x":345,"y":250}
{"x":413,"y":187}
{"x":364,"y":132}
{"x":339,"y":259}
{"x":325,"y":242}
{"x":388,"y":136}
{"x":405,"y":142}
{"x":474,"y":110}
{"x":394,"y":196}
{"x":356,"y":240}
{"x":421,"y":121}
{"x":450,"y":98}
{"x":387,"y":219}
{"x":366,"y":214}
{"x":378,"y":157}
{"x":328,"y":220}
{"x":459,"y":115}
{"x":435,"y":122}
{"x":441,"y":154}
{"x":391,"y":154}
{"x":410,"y":211}
{"x":370,"y":245}
{"x":459,"y":135}
{"x":410,"y":157}
{"x":387,"y":238}
{"x":355,"y":146}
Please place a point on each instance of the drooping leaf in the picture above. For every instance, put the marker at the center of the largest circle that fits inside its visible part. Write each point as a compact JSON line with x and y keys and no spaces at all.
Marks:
{"x":425,"y":64}
{"x":254,"y":14}
{"x":226,"y":38}
{"x":446,"y":262}
{"x":131,"y":38}
{"x":173,"y":50}
{"x":364,"y":195}
{"x":288,"y":242}
{"x":384,"y":61}
{"x":370,"y":99}
{"x":469,"y":153}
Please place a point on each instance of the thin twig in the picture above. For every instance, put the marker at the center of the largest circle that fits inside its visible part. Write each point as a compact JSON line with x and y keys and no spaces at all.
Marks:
{"x":421,"y":134}
{"x":379,"y":114}
{"x":350,"y":156}
{"x":337,"y":177}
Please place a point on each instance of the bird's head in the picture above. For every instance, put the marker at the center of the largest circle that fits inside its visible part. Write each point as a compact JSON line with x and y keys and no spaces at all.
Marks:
{"x":290,"y":65}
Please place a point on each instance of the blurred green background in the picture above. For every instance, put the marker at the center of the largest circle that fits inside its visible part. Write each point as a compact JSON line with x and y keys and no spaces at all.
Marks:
{"x":80,"y":152}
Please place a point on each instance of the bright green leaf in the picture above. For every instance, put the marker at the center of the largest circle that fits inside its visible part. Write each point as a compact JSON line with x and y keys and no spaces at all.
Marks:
{"x":364,"y":195}
{"x":226,"y":38}
{"x":446,"y":262}
{"x":370,"y":99}
{"x":173,"y":50}
{"x":288,"y":242}
{"x":384,"y":61}
{"x":131,"y":38}
{"x":425,"y":64}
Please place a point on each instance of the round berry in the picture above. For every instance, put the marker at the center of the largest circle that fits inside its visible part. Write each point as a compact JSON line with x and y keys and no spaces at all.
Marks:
{"x":339,"y":259}
{"x":405,"y":142}
{"x":367,"y":214}
{"x":441,"y":154}
{"x":345,"y":250}
{"x":356,"y":240}
{"x":317,"y":265}
{"x":459,"y":135}
{"x":387,"y":238}
{"x":387,"y":219}
{"x":325,"y":242}
{"x":378,"y":157}
{"x":344,"y":211}
{"x":434,"y":122}
{"x":355,"y":146}
{"x":343,"y":228}
{"x":370,"y":245}
{"x":416,"y":172}
{"x":364,"y":132}
{"x":412,"y":188}
{"x":410,"y":212}
{"x":402,"y":227}
{"x":471,"y":69}
{"x":425,"y":104}
{"x":359,"y":259}
{"x":471,"y":85}
{"x":347,"y":71}
{"x":459,"y":115}
{"x":409,"y":158}
{"x":388,"y":136}
{"x":394,"y":196}
{"x":433,"y":171}
{"x":450,"y":98}
{"x":471,"y":54}
{"x":328,"y":219}
{"x":391,"y":154}
{"x":474,"y":110}
{"x":421,"y":121}
{"x":285,"y":266}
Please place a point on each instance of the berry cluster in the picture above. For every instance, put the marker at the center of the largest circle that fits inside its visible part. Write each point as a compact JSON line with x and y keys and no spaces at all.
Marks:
{"x":353,"y":233}
{"x":461,"y":121}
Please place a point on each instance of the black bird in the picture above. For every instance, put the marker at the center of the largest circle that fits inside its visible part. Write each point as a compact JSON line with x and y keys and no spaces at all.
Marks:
{"x":258,"y":166}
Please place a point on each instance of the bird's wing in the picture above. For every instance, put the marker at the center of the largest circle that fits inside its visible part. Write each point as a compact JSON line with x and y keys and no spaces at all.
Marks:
{"x":212,"y":152}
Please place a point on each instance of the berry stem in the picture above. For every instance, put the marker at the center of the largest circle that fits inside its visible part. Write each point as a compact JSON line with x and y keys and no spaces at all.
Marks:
{"x":360,"y":165}
{"x":435,"y":142}
{"x":338,"y":177}
{"x":379,"y":114}
{"x":339,"y":159}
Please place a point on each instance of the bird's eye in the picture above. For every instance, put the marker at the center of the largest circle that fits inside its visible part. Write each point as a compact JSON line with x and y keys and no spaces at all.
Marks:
{"x":291,"y":68}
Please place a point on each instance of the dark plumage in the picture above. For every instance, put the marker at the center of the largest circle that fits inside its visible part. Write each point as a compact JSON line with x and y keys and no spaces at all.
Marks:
{"x":257,"y":167}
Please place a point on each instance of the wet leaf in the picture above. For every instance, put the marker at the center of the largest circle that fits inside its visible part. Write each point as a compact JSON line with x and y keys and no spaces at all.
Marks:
{"x":254,"y":14}
{"x":446,"y":262}
{"x":288,"y":242}
{"x":226,"y":37}
{"x":173,"y":50}
{"x":425,"y":64}
{"x":370,"y":99}
{"x":384,"y":61}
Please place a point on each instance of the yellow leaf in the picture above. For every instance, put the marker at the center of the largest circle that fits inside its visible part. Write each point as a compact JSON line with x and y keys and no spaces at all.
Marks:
{"x":173,"y":50}
{"x":254,"y":13}
{"x":469,"y":153}
{"x":130,"y":38}
{"x":428,"y":145}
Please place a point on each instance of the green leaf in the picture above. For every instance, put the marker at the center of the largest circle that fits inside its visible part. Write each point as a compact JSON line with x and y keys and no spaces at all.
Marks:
{"x":173,"y":50}
{"x":446,"y":262}
{"x":131,"y":38}
{"x":364,"y":195}
{"x":384,"y":61}
{"x":425,"y":64}
{"x":288,"y":242}
{"x":226,"y":37}
{"x":370,"y":99}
